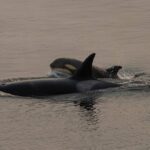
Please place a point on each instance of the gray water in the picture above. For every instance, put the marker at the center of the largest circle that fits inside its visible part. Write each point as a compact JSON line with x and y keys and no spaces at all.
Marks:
{"x":35,"y":32}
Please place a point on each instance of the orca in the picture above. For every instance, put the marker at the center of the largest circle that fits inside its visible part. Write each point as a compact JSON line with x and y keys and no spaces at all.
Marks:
{"x":64,"y":67}
{"x":81,"y":81}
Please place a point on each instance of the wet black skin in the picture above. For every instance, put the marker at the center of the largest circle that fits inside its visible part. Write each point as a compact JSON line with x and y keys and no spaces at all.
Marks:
{"x":62,"y":63}
{"x":43,"y":87}
{"x":47,"y":87}
{"x":82,"y":81}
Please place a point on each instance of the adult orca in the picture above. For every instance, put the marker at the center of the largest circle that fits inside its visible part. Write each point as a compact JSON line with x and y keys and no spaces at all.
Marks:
{"x":82,"y":81}
{"x":64,"y":67}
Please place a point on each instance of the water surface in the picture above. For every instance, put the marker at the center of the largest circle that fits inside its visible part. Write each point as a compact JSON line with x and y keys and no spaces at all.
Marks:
{"x":34,"y":33}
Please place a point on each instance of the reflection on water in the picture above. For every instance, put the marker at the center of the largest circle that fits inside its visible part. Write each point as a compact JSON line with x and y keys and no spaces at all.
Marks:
{"x":76,"y":121}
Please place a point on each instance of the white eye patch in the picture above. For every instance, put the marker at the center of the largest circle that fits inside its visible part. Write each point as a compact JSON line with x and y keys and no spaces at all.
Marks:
{"x":71,"y":67}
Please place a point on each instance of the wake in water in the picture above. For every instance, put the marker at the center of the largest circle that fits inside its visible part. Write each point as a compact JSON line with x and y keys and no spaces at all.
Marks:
{"x":125,"y":74}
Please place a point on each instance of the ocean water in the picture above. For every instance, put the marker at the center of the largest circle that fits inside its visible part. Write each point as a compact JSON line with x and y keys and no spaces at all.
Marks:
{"x":35,"y":32}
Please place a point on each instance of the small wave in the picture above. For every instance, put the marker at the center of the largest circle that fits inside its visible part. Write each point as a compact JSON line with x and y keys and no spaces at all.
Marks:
{"x":19,"y":79}
{"x":3,"y":94}
{"x":128,"y":75}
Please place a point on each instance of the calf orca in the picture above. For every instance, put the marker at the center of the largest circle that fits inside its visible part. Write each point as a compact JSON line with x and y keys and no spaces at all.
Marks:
{"x":64,"y":67}
{"x":81,"y":81}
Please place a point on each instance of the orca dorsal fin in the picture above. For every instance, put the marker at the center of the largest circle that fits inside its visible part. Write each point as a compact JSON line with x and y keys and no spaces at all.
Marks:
{"x":85,"y":71}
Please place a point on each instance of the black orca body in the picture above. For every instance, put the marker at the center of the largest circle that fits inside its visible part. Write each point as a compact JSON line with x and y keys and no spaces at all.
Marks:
{"x":64,"y":67}
{"x":82,"y":81}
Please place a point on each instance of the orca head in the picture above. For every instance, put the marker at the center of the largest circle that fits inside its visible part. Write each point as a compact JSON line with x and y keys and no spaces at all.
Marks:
{"x":66,"y":64}
{"x":58,"y":63}
{"x":112,"y":71}
{"x":85,"y":71}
